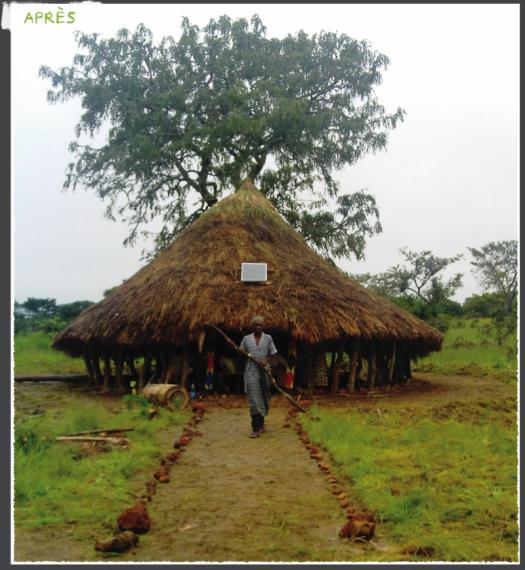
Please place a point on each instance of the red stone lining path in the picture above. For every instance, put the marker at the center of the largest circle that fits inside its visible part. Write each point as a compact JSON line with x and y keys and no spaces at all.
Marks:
{"x":232,"y":498}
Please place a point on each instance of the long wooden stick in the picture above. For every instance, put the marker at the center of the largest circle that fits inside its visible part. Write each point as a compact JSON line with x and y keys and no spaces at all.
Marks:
{"x":93,"y":431}
{"x":85,"y":438}
{"x":261,"y":366}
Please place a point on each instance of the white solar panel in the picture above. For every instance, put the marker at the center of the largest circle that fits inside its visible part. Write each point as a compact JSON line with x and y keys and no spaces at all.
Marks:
{"x":254,"y":272}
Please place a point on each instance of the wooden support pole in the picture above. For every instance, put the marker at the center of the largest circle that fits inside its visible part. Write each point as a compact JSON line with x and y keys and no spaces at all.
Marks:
{"x":201,"y":341}
{"x":309,"y":368}
{"x":107,"y":372}
{"x":382,"y":364}
{"x":354,"y":360}
{"x":145,"y":373}
{"x":402,"y":369}
{"x":186,"y":369}
{"x":89,"y":367}
{"x":132,"y":369}
{"x":333,"y":358}
{"x":119,"y":369}
{"x":95,"y":362}
{"x":171,"y":367}
{"x":162,"y":360}
{"x":372,"y":365}
{"x":336,"y":371}
{"x":392,"y":363}
{"x":157,"y":371}
{"x":398,"y":366}
{"x":210,"y":346}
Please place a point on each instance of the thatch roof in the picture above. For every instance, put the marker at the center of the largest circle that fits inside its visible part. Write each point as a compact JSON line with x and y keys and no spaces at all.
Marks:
{"x":196,"y":280}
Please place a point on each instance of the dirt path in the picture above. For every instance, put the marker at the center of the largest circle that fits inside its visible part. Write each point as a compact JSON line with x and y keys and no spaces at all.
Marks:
{"x":232,"y":498}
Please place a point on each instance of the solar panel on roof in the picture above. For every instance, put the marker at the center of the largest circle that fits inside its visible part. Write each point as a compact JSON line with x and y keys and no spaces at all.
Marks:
{"x":254,"y":272}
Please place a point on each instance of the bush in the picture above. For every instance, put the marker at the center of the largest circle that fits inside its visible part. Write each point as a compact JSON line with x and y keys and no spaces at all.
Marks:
{"x":136,"y":400}
{"x":44,"y":315}
{"x":487,"y":305}
{"x":440,"y":322}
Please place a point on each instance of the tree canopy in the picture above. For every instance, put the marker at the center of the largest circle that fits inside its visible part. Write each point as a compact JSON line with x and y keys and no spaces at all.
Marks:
{"x":419,"y":286}
{"x":38,"y":314}
{"x":496,"y":266}
{"x":486,"y":305}
{"x":419,"y":278}
{"x":189,"y":118}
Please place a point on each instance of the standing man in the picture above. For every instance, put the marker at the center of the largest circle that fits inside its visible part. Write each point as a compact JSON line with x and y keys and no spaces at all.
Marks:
{"x":256,"y":382}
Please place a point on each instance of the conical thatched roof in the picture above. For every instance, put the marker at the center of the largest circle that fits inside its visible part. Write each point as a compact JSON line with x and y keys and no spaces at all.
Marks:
{"x":196,"y":280}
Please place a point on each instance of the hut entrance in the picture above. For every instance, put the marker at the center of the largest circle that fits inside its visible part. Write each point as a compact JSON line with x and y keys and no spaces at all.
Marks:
{"x":219,"y":368}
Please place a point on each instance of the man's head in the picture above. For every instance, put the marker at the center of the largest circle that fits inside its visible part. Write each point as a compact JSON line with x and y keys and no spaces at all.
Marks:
{"x":257,"y":324}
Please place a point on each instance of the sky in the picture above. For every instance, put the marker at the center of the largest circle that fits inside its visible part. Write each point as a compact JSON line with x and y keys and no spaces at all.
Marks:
{"x":448,"y":180}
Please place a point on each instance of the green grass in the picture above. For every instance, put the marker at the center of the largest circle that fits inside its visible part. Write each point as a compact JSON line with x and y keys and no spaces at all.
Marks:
{"x":34,"y":355}
{"x":54,"y":486}
{"x":471,"y":347}
{"x":433,"y":481}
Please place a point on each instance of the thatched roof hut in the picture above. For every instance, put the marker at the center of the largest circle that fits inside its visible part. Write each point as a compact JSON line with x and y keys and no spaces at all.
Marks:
{"x":196,"y":280}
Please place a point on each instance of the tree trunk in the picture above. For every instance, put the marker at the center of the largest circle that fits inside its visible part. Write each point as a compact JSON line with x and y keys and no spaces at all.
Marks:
{"x":372,"y":367}
{"x":354,"y":360}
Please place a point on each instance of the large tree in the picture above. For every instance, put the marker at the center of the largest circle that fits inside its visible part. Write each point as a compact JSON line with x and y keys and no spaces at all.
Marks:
{"x":188,"y":119}
{"x":496,"y":266}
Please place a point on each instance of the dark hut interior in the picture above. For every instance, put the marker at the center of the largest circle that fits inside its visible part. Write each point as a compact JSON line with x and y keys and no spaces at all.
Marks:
{"x":331,"y":333}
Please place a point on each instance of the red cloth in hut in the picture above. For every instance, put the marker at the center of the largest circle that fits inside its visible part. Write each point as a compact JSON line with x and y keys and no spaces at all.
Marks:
{"x":210,"y":368}
{"x":290,"y":369}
